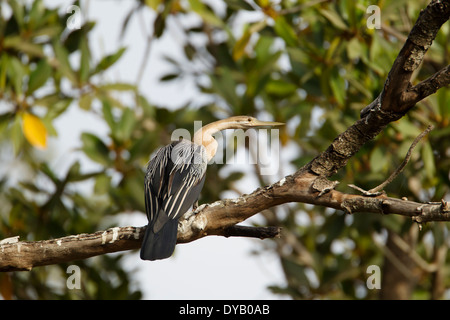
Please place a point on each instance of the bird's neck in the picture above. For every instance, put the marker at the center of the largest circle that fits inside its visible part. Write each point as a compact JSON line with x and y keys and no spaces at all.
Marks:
{"x":203,"y":137}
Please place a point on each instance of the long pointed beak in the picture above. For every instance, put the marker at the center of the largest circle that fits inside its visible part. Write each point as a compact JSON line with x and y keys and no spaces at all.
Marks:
{"x":258,"y":123}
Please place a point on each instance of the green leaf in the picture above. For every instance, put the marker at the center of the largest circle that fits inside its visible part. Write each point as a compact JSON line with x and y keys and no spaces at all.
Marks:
{"x":337,"y":84}
{"x":224,"y":85}
{"x":428,"y":160}
{"x":126,"y":125}
{"x":107,"y":114}
{"x":74,"y":40}
{"x":119,"y":86}
{"x":39,"y":76}
{"x":295,"y":272}
{"x":74,"y":174}
{"x":263,"y":49}
{"x":154,"y":4}
{"x":102,"y":184}
{"x":84,"y":60}
{"x":18,"y":11}
{"x":109,"y":60}
{"x":86,"y":101}
{"x":36,"y":14}
{"x":407,"y":129}
{"x":16,"y":73}
{"x":17,"y":136}
{"x":169,"y":77}
{"x":285,"y":31}
{"x":334,"y":18}
{"x":241,"y":44}
{"x":280,"y":88}
{"x":354,"y":49}
{"x":239,"y":5}
{"x":160,"y":24}
{"x":149,"y":110}
{"x":300,"y":62}
{"x":64,"y":66}
{"x":3,"y":69}
{"x":443,"y":96}
{"x":20,"y":44}
{"x":205,"y":13}
{"x":95,"y":148}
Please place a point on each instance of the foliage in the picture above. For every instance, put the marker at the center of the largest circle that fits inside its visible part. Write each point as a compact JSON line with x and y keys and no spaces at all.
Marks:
{"x":313,"y":65}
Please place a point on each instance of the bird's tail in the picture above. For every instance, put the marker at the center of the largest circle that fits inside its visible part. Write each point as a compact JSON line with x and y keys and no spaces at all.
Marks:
{"x":160,"y":245}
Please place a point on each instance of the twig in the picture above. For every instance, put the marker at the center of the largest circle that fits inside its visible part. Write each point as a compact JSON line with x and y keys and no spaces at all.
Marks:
{"x":405,"y":161}
{"x":413,"y":255}
{"x":429,"y":86}
{"x":374,"y":192}
{"x":253,"y":232}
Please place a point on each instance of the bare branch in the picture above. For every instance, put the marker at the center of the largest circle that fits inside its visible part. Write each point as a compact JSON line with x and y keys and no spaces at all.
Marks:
{"x":429,"y":86}
{"x":24,"y":255}
{"x":405,"y":161}
{"x":375,"y":191}
{"x":253,"y":232}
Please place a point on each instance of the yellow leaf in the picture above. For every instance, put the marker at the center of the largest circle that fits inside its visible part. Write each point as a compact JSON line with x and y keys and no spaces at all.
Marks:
{"x":34,"y":130}
{"x":241,"y":44}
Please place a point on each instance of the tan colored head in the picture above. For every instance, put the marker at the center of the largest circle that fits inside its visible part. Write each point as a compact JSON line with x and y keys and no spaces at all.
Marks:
{"x":242,"y":122}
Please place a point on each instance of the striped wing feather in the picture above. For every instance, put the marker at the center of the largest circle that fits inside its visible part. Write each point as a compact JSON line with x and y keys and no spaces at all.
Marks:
{"x":175,"y":177}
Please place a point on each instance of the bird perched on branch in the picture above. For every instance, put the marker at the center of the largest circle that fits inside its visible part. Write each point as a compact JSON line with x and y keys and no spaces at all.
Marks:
{"x":174,"y":179}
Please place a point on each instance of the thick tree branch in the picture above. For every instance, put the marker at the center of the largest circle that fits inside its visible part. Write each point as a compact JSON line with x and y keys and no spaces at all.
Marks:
{"x":218,"y":218}
{"x":18,"y":255}
{"x":212,"y":219}
{"x":429,"y":86}
{"x":349,"y":142}
{"x":24,"y":255}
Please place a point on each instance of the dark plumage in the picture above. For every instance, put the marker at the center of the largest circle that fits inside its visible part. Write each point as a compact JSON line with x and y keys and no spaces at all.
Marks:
{"x":174,"y":179}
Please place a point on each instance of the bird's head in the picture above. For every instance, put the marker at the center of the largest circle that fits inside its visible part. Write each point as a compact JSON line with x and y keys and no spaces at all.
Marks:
{"x":247,"y":122}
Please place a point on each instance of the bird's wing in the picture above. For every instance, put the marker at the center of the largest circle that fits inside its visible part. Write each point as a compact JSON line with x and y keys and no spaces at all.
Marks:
{"x":186,"y":178}
{"x":154,"y":181}
{"x":175,"y":177}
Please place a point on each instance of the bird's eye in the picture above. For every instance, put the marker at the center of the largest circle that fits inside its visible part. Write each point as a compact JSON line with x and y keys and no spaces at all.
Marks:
{"x":249,"y":119}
